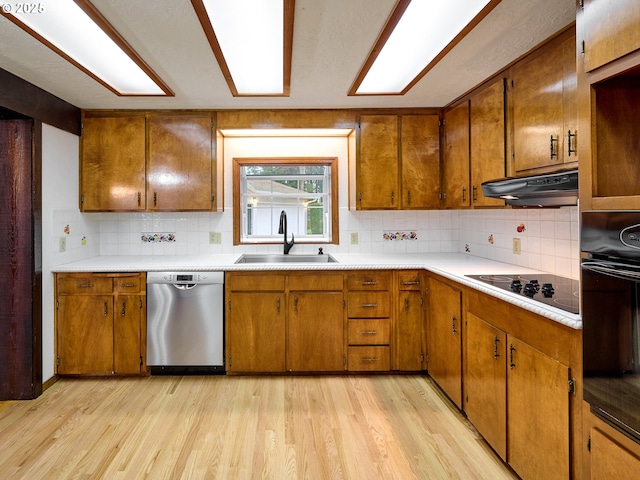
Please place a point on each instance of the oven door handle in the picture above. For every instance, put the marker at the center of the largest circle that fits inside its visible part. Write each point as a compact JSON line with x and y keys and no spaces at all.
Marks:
{"x":613,"y":269}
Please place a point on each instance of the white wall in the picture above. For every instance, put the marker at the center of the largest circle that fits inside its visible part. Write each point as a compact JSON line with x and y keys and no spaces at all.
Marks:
{"x":59,"y":208}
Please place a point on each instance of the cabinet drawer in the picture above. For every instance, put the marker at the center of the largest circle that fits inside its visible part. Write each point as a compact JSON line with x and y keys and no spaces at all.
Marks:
{"x":368,"y":359}
{"x":84,"y":284}
{"x":368,"y":332}
{"x":268,"y":283}
{"x":368,"y":280}
{"x":132,"y":284}
{"x":368,"y":304}
{"x":410,"y":280}
{"x":310,"y":282}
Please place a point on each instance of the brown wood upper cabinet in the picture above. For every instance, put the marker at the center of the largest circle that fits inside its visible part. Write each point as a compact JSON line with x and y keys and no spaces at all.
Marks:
{"x":456,"y":167}
{"x":544,"y":107}
{"x":610,"y":31}
{"x":137,"y":161}
{"x":398,"y":159}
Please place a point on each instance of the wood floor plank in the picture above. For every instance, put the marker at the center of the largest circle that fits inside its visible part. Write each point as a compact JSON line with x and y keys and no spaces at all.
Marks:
{"x":262,"y":427}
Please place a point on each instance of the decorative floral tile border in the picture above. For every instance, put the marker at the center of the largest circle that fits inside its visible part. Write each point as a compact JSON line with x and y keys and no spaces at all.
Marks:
{"x":158,"y":237}
{"x":391,"y":236}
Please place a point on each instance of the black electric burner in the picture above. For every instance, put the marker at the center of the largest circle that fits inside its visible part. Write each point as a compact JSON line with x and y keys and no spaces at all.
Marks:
{"x":553,"y":290}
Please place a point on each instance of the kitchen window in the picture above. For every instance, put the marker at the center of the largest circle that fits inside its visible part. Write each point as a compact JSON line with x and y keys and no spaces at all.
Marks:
{"x":305,"y":188}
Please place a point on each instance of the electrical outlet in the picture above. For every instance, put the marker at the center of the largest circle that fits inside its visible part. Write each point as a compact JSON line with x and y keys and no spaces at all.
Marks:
{"x":354,"y":238}
{"x":215,"y":238}
{"x":517,"y":249}
{"x":62,"y":244}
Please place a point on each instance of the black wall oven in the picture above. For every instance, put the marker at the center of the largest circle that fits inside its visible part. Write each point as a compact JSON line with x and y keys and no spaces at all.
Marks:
{"x":610,"y":284}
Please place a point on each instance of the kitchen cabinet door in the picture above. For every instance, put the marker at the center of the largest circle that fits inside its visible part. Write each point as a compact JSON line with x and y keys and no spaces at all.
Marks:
{"x":84,"y":334}
{"x":455,"y":175}
{"x":610,"y":30}
{"x":256,"y":332}
{"x":377,"y":166}
{"x":544,"y":86}
{"x":408,"y":326}
{"x":537,"y":413}
{"x":315,"y":332}
{"x":485,"y":381}
{"x":112,"y":164}
{"x":420,"y":157}
{"x":488,"y":141}
{"x":127,"y":334}
{"x":444,"y":339}
{"x":180,"y":166}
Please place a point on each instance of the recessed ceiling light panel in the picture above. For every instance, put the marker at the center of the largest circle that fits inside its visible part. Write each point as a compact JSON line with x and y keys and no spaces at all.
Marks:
{"x":418,"y":33}
{"x":79,"y":33}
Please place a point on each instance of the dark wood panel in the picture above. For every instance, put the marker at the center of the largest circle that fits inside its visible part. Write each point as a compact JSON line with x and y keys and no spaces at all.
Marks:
{"x":20,"y":260}
{"x":23,"y":97}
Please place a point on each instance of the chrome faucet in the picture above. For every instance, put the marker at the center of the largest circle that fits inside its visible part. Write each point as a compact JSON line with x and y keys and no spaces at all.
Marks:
{"x":283,"y":229}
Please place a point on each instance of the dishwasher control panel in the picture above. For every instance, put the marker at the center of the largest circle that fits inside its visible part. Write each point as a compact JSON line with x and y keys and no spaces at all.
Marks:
{"x":181,"y":278}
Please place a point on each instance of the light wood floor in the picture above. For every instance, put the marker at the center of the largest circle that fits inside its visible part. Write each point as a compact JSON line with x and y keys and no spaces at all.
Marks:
{"x":321,"y":427}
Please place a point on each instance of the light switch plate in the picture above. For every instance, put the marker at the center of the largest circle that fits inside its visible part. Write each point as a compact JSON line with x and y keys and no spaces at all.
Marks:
{"x":215,"y":238}
{"x":354,"y":238}
{"x":62,"y":244}
{"x":517,"y":248}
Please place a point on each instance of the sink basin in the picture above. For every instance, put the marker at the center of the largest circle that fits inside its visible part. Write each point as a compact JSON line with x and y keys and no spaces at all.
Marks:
{"x":279,"y":258}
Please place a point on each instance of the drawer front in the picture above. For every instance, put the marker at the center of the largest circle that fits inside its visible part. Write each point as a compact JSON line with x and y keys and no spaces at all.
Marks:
{"x":315,"y":281}
{"x":83,"y":284}
{"x":255,"y":282}
{"x":361,"y":359}
{"x":369,"y":280}
{"x":410,"y":280}
{"x":132,"y":284}
{"x":368,"y":304}
{"x":368,"y":332}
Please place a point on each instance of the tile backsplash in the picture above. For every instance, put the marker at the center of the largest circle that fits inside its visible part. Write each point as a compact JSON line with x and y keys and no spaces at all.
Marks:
{"x":548,"y":237}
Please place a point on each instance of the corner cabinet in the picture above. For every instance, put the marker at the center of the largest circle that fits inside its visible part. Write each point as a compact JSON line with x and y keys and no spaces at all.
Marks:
{"x":100,"y":324}
{"x":147,"y":161}
{"x":397,"y":162}
{"x":444,"y":335}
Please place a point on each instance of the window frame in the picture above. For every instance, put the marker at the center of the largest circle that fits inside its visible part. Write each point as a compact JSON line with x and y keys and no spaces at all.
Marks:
{"x":240,"y":162}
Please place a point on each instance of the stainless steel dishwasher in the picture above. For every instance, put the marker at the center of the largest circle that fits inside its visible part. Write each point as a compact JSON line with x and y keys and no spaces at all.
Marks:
{"x":185,"y":327}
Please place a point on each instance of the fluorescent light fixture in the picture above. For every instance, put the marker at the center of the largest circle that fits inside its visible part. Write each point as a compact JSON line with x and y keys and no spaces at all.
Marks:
{"x":252,"y":42}
{"x":417,"y":35}
{"x":286,"y":132}
{"x":80,"y":34}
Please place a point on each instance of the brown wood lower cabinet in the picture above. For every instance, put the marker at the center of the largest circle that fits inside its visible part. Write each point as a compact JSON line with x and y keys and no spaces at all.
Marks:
{"x":409,"y":322}
{"x":100,"y":324}
{"x":518,"y":386}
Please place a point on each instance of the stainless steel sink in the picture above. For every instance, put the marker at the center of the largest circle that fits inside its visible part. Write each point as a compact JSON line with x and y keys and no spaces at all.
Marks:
{"x":279,"y":258}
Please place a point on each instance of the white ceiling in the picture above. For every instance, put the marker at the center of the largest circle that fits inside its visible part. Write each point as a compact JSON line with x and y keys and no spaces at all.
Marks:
{"x":332,"y":39}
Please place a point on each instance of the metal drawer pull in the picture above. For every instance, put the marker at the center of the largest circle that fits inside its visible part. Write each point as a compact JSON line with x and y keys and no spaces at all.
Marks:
{"x":453,"y":325}
{"x":369,"y":332}
{"x":106,"y":310}
{"x":128,"y":285}
{"x":495,"y":346}
{"x":368,"y":283}
{"x":370,"y":305}
{"x":84,"y":285}
{"x":369,"y":360}
{"x":511,"y":350}
{"x":570,"y":146}
{"x":123,"y":312}
{"x":415,"y":282}
{"x":553,"y":148}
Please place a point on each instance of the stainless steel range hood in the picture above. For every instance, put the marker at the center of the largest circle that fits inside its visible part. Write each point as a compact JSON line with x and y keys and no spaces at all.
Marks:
{"x":547,"y":190}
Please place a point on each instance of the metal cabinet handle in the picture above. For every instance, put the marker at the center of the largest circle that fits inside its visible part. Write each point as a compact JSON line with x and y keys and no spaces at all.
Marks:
{"x":474,"y":194}
{"x":553,"y":147}
{"x":409,"y":197}
{"x":123,"y":311}
{"x":155,"y":199}
{"x":453,"y":324}
{"x":416,"y":282}
{"x":128,"y":285}
{"x":84,"y":285}
{"x":570,"y":147}
{"x":368,"y":283}
{"x":406,"y":305}
{"x":511,"y":350}
{"x":139,"y":198}
{"x":369,"y":305}
{"x":464,"y":194}
{"x":369,"y":360}
{"x":278,"y":305}
{"x":495,"y":347}
{"x":369,"y":332}
{"x":106,"y":309}
{"x":295,"y":304}
{"x":393,"y":196}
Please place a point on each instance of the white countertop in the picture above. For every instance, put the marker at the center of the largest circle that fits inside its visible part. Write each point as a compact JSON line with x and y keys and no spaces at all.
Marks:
{"x":450,"y":265}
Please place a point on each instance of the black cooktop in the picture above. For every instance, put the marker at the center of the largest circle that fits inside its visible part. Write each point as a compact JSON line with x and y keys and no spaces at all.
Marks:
{"x":553,"y":290}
